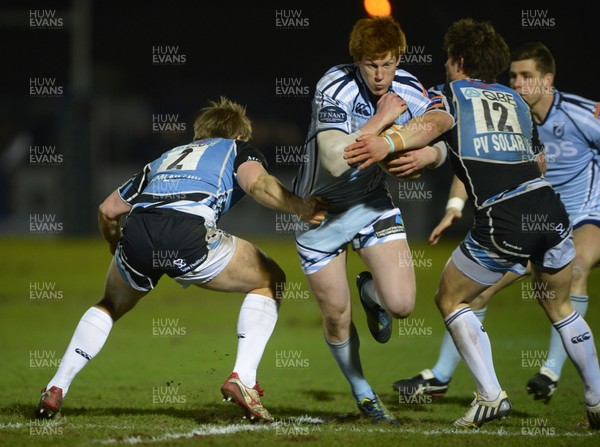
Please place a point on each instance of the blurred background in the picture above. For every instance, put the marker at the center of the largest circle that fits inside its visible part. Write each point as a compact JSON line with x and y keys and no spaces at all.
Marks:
{"x":93,"y":90}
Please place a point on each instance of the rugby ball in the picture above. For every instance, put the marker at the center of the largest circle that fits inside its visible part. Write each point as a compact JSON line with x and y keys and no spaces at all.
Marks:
{"x":383,"y":164}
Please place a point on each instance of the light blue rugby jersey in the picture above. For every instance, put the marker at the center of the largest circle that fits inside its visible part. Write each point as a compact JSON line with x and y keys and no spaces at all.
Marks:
{"x":342,"y":102}
{"x":196,"y":178}
{"x":571,"y":137}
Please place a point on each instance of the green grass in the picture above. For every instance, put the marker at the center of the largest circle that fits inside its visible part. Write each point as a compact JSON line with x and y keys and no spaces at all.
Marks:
{"x":111,"y":401}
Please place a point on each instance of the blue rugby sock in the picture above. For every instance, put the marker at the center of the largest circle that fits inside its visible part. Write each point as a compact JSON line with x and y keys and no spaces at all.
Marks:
{"x":348,"y":359}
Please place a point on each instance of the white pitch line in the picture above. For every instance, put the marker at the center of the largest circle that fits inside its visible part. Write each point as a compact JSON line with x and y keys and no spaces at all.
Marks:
{"x":213,"y":429}
{"x":205,"y":430}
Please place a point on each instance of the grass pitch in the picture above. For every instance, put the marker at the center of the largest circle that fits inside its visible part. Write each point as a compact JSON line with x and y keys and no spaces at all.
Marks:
{"x":157,"y":380}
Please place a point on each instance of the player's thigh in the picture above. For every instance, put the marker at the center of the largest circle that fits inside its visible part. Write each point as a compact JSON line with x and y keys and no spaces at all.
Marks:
{"x":391,"y":265}
{"x":248,"y":270}
{"x":119,"y":297}
{"x":330,"y":287}
{"x":587,"y":245}
{"x":456,"y":289}
{"x":507,"y":279}
{"x":555,"y":286}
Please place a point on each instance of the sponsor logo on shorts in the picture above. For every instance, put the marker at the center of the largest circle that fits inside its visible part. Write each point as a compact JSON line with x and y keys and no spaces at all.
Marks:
{"x":179,"y":263}
{"x":389,"y":225}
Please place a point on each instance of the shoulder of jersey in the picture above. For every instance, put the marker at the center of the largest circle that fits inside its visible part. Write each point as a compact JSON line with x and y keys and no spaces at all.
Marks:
{"x":340,"y":76}
{"x":403,"y":79}
{"x":569,"y":100}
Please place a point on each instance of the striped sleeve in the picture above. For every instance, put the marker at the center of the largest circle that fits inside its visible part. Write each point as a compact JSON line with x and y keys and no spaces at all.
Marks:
{"x":132,"y":188}
{"x":585,"y":115}
{"x":332,"y":108}
{"x":440,"y":97}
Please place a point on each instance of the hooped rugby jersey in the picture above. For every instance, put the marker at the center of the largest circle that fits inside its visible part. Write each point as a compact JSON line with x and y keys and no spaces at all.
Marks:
{"x":571,"y":137}
{"x":343,"y":102}
{"x":493,"y":142}
{"x":191,"y":177}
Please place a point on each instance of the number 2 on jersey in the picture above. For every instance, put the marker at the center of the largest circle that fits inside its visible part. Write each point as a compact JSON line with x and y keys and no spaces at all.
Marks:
{"x":185,"y":159}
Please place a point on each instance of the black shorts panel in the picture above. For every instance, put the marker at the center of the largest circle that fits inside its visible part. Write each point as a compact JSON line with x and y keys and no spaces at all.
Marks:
{"x":523,"y":228}
{"x":157,"y":242}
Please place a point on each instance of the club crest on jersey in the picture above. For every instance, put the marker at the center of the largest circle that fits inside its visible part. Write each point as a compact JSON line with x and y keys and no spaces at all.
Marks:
{"x":362,"y":109}
{"x":332,"y":114}
{"x":558,"y":129}
{"x":471,"y":93}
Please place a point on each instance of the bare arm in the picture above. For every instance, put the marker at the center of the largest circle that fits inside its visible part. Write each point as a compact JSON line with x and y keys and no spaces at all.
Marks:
{"x":333,"y":142}
{"x":415,"y":134}
{"x":269,"y":192}
{"x":454,"y":207}
{"x":109,"y":214}
{"x":331,"y":150}
{"x":414,"y":161}
{"x":540,"y":159}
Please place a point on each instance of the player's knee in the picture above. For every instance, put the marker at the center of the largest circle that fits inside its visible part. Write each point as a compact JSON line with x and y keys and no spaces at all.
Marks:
{"x":111,"y":307}
{"x":581,"y":269}
{"x":336,"y":322}
{"x":117,"y":307}
{"x":400,"y":305}
{"x":401,"y":309}
{"x":276,"y":280}
{"x":442,"y":303}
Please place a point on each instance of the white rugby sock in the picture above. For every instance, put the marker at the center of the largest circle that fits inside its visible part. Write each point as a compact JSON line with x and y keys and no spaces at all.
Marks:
{"x":87,"y":341}
{"x":556,"y":351}
{"x":449,"y":357}
{"x":474,"y":346}
{"x":578,"y":341}
{"x":256,"y":322}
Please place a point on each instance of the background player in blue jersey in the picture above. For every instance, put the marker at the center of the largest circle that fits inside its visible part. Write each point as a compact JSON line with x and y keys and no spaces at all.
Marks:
{"x":353,"y":99}
{"x":492,"y":152}
{"x":569,"y":128}
{"x":172,"y":207}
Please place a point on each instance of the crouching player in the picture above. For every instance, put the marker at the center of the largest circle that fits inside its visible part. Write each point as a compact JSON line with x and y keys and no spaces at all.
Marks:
{"x":173,"y":205}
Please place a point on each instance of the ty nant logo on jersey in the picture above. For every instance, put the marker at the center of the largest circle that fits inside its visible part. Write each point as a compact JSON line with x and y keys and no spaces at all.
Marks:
{"x":332,"y":114}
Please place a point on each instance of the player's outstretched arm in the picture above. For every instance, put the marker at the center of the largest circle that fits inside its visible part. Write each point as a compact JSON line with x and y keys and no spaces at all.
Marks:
{"x":109,"y":214}
{"x":268,"y":191}
{"x":454,"y":207}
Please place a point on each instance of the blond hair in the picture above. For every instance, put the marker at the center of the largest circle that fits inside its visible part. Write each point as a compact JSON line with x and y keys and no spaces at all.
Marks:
{"x":223,"y":119}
